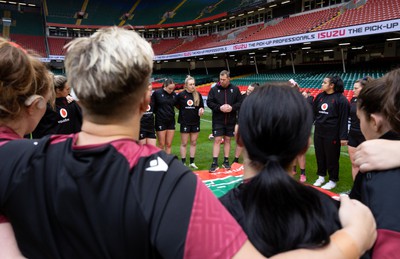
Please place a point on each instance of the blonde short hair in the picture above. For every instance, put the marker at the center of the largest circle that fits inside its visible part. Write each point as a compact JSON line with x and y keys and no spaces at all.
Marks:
{"x":109,"y":69}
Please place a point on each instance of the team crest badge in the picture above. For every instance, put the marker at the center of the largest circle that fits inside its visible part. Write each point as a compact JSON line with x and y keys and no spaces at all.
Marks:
{"x":190,"y":102}
{"x":324,"y":106}
{"x":63,"y":113}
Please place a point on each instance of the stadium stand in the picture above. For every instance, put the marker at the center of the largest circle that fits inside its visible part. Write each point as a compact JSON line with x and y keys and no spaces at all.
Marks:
{"x":163,"y":46}
{"x":295,"y":24}
{"x":246,"y":34}
{"x":372,"y":11}
{"x":62,"y":12}
{"x":101,"y":13}
{"x":193,"y":43}
{"x":29,"y":31}
{"x":31,"y":42}
{"x":56,"y":45}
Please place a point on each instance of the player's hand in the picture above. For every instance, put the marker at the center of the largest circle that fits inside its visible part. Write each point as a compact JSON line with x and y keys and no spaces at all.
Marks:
{"x":228,"y":108}
{"x":358,"y":221}
{"x":223,"y":108}
{"x":69,"y":98}
{"x":377,"y":154}
{"x":201,"y":112}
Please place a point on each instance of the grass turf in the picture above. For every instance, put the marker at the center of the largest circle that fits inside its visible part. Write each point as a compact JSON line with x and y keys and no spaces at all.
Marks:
{"x":203,"y":157}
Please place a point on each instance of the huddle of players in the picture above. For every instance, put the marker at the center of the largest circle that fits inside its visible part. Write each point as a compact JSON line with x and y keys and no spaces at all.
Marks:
{"x":331,"y":112}
{"x":54,"y":190}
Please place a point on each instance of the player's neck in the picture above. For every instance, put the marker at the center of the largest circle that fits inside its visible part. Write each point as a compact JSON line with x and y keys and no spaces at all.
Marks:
{"x":18,"y":125}
{"x":92,"y":133}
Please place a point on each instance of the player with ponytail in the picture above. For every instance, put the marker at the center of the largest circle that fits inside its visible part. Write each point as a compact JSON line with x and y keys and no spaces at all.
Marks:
{"x":277,"y":212}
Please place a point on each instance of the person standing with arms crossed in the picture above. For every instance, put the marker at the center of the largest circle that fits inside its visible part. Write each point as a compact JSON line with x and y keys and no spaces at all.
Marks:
{"x":331,"y":113}
{"x":191,"y":107}
{"x":224,"y":100}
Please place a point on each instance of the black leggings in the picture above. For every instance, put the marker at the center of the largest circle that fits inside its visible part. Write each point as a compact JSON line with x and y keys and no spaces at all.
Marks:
{"x":327,"y":152}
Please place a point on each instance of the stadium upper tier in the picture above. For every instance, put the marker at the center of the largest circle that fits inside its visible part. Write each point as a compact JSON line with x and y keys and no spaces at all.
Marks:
{"x":31,"y":25}
{"x":140,"y":12}
{"x":296,"y":24}
{"x":372,"y":11}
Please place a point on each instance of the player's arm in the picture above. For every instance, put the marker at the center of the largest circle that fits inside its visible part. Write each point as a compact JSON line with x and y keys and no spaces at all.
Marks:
{"x":344,"y":109}
{"x":238,"y":102}
{"x":8,"y":244}
{"x":212,"y":102}
{"x":377,"y":154}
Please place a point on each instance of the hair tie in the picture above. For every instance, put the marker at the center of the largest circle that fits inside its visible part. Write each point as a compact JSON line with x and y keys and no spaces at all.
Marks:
{"x":272,"y":158}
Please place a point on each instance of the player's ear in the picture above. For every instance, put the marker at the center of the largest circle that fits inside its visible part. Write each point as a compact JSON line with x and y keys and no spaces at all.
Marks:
{"x":376,"y":121}
{"x":34,"y":103}
{"x":144,"y":102}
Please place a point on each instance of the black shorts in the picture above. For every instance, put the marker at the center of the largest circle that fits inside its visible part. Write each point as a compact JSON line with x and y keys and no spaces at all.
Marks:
{"x":223,"y":130}
{"x":190,"y":128}
{"x":168,"y":125}
{"x":355,"y":138}
{"x":146,"y":134}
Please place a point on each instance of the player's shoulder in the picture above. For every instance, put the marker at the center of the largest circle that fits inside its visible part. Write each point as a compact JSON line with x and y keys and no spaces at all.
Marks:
{"x":161,"y":170}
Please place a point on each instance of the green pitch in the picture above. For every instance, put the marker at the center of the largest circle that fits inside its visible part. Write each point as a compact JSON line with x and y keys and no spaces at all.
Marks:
{"x":204,"y":158}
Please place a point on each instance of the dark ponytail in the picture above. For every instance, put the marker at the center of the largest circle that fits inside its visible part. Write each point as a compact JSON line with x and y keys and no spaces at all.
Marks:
{"x":338,"y":82}
{"x":280,"y":213}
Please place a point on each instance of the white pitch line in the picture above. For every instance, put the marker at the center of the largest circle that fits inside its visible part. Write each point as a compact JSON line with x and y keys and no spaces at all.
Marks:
{"x":206,"y":120}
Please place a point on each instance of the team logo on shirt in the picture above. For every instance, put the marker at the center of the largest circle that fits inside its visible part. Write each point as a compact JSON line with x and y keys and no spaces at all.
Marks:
{"x":157,"y":165}
{"x":148,"y":108}
{"x":324,"y":106}
{"x":63,"y":113}
{"x":190,"y":102}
